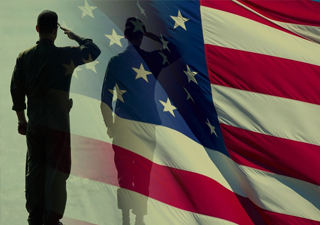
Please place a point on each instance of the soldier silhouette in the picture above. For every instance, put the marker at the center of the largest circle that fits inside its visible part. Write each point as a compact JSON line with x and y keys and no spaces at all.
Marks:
{"x":43,"y":74}
{"x":128,"y":92}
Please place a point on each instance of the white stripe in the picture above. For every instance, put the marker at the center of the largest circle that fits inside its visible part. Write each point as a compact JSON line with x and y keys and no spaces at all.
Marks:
{"x":184,"y":153}
{"x":282,"y":194}
{"x":266,"y":114}
{"x":86,"y":118}
{"x":96,"y":202}
{"x":232,"y":31}
{"x":309,"y":32}
{"x":271,"y":191}
{"x":178,"y":151}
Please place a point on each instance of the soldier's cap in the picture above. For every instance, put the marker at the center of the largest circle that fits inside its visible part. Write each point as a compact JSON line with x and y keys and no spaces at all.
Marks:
{"x":47,"y":18}
{"x":130,"y":30}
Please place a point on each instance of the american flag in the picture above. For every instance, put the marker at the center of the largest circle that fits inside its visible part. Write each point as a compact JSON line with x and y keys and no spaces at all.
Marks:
{"x":240,"y":124}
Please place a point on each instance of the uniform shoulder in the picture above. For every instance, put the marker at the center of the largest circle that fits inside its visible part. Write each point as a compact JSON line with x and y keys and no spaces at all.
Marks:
{"x":115,"y":59}
{"x":27,"y":51}
{"x":67,"y":48}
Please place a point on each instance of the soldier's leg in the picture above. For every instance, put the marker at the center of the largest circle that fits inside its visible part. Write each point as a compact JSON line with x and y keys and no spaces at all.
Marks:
{"x":142,"y":172}
{"x":35,"y":175}
{"x":57,"y":172}
{"x":123,"y":164}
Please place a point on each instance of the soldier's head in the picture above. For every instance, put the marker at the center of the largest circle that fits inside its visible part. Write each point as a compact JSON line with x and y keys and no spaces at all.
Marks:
{"x":134,"y":30}
{"x":47,"y":24}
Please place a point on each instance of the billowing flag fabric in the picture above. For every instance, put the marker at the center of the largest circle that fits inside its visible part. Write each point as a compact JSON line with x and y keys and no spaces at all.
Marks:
{"x":226,"y":133}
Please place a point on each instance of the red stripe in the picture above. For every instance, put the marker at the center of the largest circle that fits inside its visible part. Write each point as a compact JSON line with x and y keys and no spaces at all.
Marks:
{"x":273,"y":218}
{"x":263,"y":74}
{"x":93,"y":159}
{"x":286,"y":157}
{"x":231,"y":7}
{"x":189,"y":191}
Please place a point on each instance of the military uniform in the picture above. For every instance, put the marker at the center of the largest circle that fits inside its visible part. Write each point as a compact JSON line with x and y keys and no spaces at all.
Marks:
{"x":43,"y":74}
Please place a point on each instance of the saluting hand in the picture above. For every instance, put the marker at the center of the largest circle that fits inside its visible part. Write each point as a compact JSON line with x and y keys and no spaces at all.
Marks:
{"x":70,"y":34}
{"x":152,"y":36}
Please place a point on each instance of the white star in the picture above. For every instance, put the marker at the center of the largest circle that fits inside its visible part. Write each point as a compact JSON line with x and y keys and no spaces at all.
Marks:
{"x":137,"y":25}
{"x":168,"y":107}
{"x":188,"y":95}
{"x":118,"y":93}
{"x":179,"y":21}
{"x":90,"y":64}
{"x":212,"y":128}
{"x":141,"y":73}
{"x":114,"y":38}
{"x":141,"y":9}
{"x":191,"y":75}
{"x":70,"y":68}
{"x":89,"y":59}
{"x":87,"y":9}
{"x":164,"y":42}
{"x":75,"y":72}
{"x":64,"y":25}
{"x":165,"y":59}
